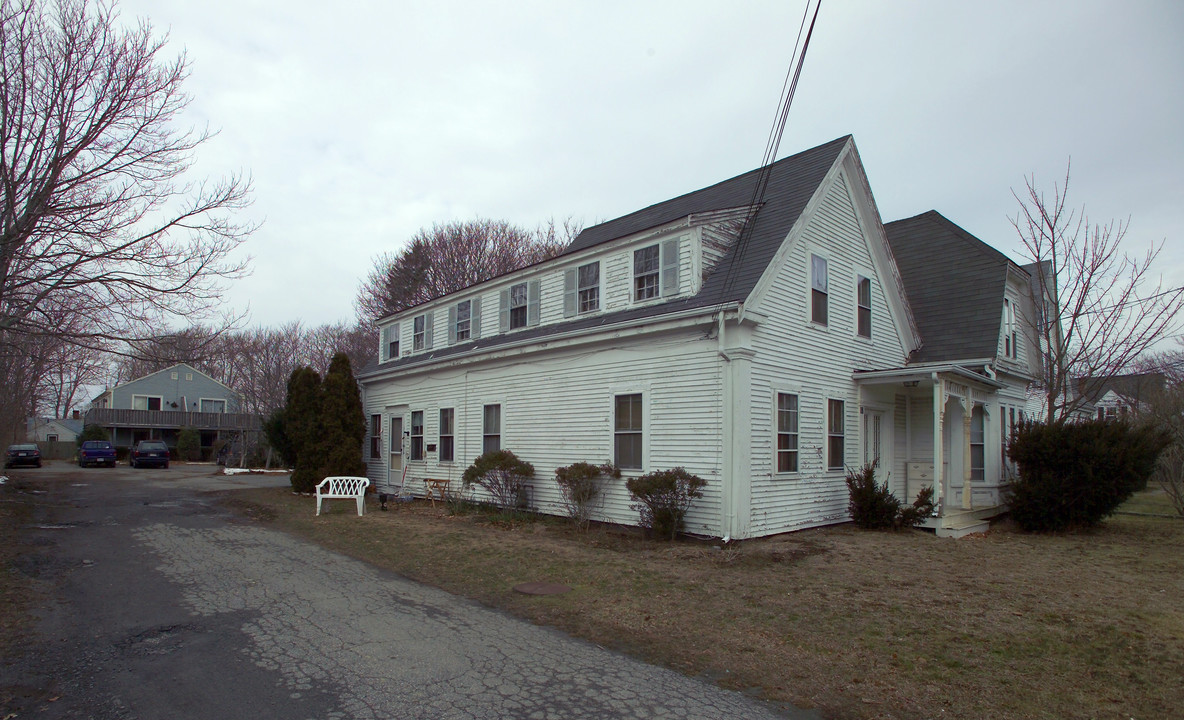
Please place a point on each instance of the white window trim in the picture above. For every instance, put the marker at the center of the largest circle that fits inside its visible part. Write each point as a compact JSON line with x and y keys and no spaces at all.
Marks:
{"x":423,"y":436}
{"x":225,"y":404}
{"x":809,"y":289}
{"x":441,"y":435}
{"x":864,"y":274}
{"x":784,"y":389}
{"x":599,"y":288}
{"x":644,"y":392}
{"x":826,"y":435}
{"x":148,"y":397}
{"x":502,"y":445}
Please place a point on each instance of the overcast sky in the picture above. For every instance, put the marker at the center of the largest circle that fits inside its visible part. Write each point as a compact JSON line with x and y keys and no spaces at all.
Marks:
{"x":362,"y":122}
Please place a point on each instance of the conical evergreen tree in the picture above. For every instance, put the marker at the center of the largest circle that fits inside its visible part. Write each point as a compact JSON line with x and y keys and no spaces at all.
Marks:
{"x":343,"y":421}
{"x":302,"y":416}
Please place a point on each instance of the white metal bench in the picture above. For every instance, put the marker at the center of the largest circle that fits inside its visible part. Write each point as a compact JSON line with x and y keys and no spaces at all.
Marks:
{"x":343,"y":487}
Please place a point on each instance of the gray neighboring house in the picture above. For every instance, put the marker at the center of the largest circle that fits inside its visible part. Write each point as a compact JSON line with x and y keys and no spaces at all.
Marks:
{"x":158,"y":405}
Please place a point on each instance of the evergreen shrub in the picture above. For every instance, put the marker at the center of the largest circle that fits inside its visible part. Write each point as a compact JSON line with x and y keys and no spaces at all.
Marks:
{"x":663,"y":497}
{"x":1073,"y":475}
{"x":874,"y":507}
{"x":189,"y":444}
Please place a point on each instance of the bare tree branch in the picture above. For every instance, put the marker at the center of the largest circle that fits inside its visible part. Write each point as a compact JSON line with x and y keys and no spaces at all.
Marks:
{"x":1098,"y":308}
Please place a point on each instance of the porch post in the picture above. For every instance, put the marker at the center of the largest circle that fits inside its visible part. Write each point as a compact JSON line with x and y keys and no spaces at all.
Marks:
{"x":939,"y":413}
{"x":967,"y":410}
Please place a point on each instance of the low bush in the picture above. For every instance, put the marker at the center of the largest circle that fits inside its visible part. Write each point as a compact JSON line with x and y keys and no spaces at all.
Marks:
{"x":503,"y":475}
{"x":1072,"y":476}
{"x":92,"y":432}
{"x":663,"y":497}
{"x":580,"y":485}
{"x":874,"y":507}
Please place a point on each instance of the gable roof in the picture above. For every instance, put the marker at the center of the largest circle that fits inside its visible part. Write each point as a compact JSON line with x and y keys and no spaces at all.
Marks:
{"x":792,"y":182}
{"x":1133,"y":388}
{"x":187,"y":368}
{"x":954,"y":283}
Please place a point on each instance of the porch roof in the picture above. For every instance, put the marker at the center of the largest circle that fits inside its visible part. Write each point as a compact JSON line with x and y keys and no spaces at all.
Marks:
{"x":924,"y":373}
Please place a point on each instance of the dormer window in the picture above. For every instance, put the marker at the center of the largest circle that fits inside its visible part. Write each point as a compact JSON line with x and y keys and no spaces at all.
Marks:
{"x":1010,"y":336}
{"x":518,"y":306}
{"x":646,"y":268}
{"x":421,"y":332}
{"x":390,"y":342}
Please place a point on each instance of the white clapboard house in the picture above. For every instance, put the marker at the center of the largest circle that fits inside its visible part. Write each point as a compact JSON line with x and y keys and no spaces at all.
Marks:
{"x":768,"y":362}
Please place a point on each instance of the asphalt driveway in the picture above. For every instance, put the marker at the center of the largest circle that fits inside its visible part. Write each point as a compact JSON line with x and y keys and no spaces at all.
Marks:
{"x":160,"y":604}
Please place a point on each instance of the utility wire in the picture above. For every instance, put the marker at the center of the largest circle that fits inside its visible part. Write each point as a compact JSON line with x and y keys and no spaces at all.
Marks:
{"x":788,"y":88}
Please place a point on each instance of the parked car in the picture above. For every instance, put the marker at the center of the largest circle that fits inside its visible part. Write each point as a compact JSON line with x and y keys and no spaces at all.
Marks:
{"x":96,"y":452}
{"x":25,"y":454}
{"x":147,"y":453}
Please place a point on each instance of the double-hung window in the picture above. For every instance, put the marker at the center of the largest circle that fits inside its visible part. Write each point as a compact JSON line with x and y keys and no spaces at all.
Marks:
{"x":863,"y":301}
{"x":835,"y":424}
{"x":1010,"y":336}
{"x":588,"y":287}
{"x":491,"y":429}
{"x":390,"y":342}
{"x":627,"y":432}
{"x":375,"y":436}
{"x":978,"y":445}
{"x":518,"y":301}
{"x":417,"y":435}
{"x":447,"y":439}
{"x":146,"y":402}
{"x":462,"y":328}
{"x":646,"y":272}
{"x":787,"y":433}
{"x":818,"y":290}
{"x":421,"y":332}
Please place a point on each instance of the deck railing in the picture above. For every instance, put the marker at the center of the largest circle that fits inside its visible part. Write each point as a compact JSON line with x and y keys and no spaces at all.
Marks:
{"x":112,"y":417}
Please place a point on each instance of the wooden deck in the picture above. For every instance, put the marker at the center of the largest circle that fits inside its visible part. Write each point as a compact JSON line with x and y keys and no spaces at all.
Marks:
{"x":114,"y":418}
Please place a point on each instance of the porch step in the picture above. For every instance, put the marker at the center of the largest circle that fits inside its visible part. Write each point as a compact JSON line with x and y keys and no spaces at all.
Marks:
{"x":961,"y":527}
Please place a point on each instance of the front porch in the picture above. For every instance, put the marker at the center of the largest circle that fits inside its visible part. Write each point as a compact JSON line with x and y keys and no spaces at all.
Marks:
{"x":947,"y":432}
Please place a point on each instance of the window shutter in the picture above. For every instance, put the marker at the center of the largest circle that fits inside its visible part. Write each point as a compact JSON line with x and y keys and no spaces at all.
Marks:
{"x":386,"y":343}
{"x":427,"y":331}
{"x":503,"y":321}
{"x":452,"y":325}
{"x":532,"y":303}
{"x":569,"y":293}
{"x":475,"y":318}
{"x":670,"y":268}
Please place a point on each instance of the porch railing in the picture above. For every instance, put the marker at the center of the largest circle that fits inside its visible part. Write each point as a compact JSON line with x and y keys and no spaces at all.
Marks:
{"x":112,"y":417}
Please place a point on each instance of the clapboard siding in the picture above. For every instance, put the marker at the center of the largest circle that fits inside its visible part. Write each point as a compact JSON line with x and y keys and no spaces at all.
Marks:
{"x":557,"y":409}
{"x":793,"y":353}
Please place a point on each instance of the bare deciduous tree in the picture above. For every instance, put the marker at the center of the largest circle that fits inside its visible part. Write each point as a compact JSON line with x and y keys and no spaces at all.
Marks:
{"x":1098,"y":308}
{"x":454,"y":256}
{"x":97,"y":217}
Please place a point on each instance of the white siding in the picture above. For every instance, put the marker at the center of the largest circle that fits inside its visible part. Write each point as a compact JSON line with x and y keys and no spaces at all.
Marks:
{"x":819,"y":360}
{"x":557,"y":409}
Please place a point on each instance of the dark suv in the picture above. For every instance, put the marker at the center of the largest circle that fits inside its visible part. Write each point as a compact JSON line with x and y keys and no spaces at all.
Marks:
{"x":148,"y":453}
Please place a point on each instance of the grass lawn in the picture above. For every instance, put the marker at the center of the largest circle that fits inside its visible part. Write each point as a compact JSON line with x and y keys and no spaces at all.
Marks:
{"x":858,"y":624}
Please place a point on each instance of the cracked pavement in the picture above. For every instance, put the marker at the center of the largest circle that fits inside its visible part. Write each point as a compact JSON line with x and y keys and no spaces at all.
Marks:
{"x":166,"y":606}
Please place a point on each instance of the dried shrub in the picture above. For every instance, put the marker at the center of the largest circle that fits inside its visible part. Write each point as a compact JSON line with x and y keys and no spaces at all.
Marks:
{"x":663,"y":497}
{"x":874,"y":507}
{"x":580,"y":485}
{"x":503,"y":475}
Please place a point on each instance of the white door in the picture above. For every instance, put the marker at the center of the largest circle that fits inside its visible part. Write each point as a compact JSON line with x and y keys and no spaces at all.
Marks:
{"x":394,"y":473}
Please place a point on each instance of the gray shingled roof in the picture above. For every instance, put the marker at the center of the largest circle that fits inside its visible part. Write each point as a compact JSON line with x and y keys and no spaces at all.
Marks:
{"x":954,"y":283}
{"x":792,"y":182}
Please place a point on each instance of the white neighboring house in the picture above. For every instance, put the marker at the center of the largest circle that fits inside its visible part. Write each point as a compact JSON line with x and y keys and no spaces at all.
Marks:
{"x":768,"y":362}
{"x":55,"y":430}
